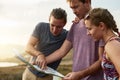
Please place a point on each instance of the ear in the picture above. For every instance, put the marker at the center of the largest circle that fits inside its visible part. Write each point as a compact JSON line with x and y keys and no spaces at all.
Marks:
{"x":88,"y":4}
{"x":88,"y":1}
{"x":102,"y":25}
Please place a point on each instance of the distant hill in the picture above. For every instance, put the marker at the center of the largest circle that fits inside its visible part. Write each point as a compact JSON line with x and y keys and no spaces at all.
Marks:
{"x":6,"y":52}
{"x":8,"y":55}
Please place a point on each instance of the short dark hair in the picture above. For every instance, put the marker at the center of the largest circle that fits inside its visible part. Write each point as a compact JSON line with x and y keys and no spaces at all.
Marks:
{"x":59,"y":13}
{"x":83,"y":1}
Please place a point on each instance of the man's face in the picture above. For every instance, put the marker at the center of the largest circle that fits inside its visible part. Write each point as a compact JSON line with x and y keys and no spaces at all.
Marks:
{"x":78,"y":8}
{"x":56,"y":25}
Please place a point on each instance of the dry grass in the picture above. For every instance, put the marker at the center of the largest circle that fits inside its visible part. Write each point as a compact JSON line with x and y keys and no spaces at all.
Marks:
{"x":11,"y":73}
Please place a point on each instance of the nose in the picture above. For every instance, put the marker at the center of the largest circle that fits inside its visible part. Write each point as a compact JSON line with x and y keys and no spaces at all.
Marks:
{"x":75,"y":12}
{"x":54,"y":29}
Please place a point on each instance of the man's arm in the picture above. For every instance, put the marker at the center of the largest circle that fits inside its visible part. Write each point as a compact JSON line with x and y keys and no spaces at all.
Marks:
{"x":88,"y":71}
{"x":30,"y":48}
{"x":95,"y":66}
{"x":60,"y":53}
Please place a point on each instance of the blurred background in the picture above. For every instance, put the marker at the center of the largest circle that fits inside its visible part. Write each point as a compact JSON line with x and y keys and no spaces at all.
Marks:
{"x":19,"y":17}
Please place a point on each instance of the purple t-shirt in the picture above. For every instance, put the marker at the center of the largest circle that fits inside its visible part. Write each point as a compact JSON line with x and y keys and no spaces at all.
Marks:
{"x":85,"y":51}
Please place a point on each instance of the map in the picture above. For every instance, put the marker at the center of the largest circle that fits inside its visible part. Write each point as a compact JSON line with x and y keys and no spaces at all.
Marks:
{"x":48,"y":70}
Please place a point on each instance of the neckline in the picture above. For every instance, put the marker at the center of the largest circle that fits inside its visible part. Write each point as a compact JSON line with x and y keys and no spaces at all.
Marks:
{"x":109,"y":39}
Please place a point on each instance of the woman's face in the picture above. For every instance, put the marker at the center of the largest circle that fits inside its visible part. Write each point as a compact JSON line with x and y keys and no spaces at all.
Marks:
{"x":93,"y":31}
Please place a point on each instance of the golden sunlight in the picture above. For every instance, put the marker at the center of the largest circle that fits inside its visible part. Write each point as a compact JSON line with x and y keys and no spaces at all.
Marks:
{"x":6,"y":50}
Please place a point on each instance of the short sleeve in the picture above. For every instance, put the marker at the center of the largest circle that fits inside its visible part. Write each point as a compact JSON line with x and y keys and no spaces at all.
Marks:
{"x":101,"y":43}
{"x":37,"y":31}
{"x":70,"y":34}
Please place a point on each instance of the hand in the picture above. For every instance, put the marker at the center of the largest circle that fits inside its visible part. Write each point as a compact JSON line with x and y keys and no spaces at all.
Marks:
{"x":76,"y":20}
{"x":72,"y":76}
{"x":41,"y":61}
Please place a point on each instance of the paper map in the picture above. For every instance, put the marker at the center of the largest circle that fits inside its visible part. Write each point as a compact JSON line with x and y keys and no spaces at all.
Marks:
{"x":48,"y":70}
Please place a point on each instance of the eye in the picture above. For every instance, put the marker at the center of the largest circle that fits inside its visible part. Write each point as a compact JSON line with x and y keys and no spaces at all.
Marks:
{"x":58,"y":27}
{"x":75,"y":7}
{"x":52,"y":25}
{"x":89,"y":28}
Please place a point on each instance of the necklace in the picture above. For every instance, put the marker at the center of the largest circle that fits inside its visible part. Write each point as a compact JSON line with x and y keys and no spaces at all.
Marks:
{"x":109,"y":38}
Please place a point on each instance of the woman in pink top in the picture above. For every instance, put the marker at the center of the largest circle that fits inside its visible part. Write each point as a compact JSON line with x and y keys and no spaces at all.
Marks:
{"x":100,"y":24}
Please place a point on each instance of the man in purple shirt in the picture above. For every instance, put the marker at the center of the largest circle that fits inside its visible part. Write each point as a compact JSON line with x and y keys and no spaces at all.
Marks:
{"x":86,"y":52}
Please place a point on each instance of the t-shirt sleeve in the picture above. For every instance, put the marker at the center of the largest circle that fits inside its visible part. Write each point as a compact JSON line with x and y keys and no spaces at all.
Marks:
{"x":70,"y":34}
{"x":37,"y":31}
{"x":101,"y":43}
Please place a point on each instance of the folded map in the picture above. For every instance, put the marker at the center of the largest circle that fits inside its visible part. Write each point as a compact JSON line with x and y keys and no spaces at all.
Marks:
{"x":48,"y":70}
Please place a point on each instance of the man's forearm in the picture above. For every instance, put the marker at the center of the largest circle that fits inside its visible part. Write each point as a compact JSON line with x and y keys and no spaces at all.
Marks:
{"x":60,"y":53}
{"x":54,"y":56}
{"x":32,"y":51}
{"x":91,"y":70}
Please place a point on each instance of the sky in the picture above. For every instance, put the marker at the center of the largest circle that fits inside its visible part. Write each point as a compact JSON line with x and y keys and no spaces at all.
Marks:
{"x":18,"y":18}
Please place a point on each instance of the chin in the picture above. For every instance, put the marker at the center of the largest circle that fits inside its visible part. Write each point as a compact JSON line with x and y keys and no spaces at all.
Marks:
{"x":55,"y":34}
{"x":95,"y":39}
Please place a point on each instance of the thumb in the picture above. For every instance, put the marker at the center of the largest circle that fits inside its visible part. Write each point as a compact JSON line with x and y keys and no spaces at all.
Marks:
{"x":33,"y":63}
